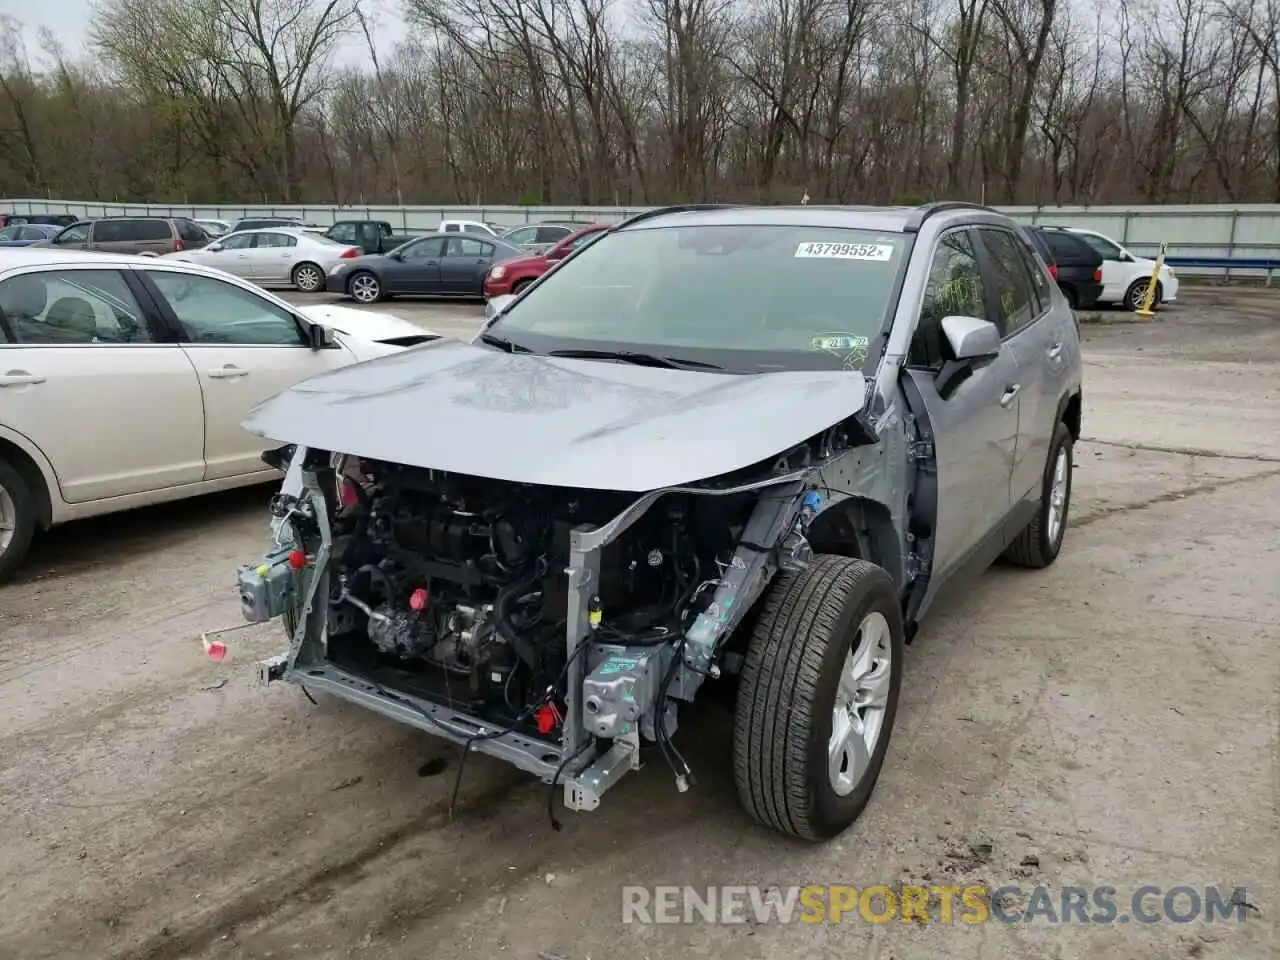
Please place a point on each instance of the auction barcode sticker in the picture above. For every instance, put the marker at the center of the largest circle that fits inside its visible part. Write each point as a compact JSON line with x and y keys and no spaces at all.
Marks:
{"x":846,"y":251}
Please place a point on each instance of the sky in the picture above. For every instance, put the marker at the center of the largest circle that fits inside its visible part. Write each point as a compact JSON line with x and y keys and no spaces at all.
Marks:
{"x":69,"y":22}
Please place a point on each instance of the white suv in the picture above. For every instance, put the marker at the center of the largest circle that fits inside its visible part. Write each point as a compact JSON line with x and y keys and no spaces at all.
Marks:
{"x":1125,"y":275}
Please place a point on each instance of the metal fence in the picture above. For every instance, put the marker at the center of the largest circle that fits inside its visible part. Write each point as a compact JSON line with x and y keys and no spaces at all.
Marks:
{"x":1250,"y":231}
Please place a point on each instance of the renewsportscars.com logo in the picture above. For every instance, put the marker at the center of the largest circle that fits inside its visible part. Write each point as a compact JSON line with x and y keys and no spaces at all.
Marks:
{"x":970,"y":904}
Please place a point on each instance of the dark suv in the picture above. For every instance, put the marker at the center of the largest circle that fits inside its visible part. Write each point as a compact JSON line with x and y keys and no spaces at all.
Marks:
{"x":1072,"y":262}
{"x":151,"y":236}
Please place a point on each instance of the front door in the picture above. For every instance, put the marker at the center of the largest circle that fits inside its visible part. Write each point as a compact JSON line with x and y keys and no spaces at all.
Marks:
{"x":84,"y":376}
{"x":245,"y":349}
{"x":974,"y":424}
{"x":232,"y":254}
{"x":417,"y":267}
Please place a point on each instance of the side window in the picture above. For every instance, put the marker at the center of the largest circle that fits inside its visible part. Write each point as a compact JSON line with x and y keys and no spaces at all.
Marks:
{"x":190,"y":231}
{"x":57,"y":307}
{"x":1010,"y":282}
{"x":955,"y":288}
{"x":237,"y":241}
{"x":466,"y":247}
{"x":424,"y":249}
{"x":136,"y":230}
{"x":552,"y":234}
{"x":449,"y":228}
{"x":214,"y":311}
{"x":475,"y":228}
{"x":585,"y":239}
{"x":31,"y":233}
{"x":1105,"y":248}
{"x":1039,"y":278}
{"x":78,"y":233}
{"x":108,"y":231}
{"x":523,"y":235}
{"x":343,"y":232}
{"x":274,"y":240}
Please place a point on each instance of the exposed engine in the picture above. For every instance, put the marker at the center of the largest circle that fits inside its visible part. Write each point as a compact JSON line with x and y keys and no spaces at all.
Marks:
{"x":459,"y":585}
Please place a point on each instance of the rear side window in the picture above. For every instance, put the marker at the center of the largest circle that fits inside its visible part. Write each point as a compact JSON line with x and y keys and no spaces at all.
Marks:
{"x":67,"y":307}
{"x":1069,"y":249}
{"x":274,"y":240}
{"x":108,"y":231}
{"x":466,"y":247}
{"x":1010,"y":280}
{"x":552,"y":234}
{"x":190,"y":232}
{"x":1036,"y":270}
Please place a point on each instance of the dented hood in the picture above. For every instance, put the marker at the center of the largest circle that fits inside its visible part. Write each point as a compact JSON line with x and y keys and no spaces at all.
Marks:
{"x":469,"y":409}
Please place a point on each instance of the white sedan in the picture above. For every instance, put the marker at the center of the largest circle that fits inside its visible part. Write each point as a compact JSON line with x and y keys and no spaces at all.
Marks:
{"x":124,"y":381}
{"x":273,"y":256}
{"x":1125,"y":275}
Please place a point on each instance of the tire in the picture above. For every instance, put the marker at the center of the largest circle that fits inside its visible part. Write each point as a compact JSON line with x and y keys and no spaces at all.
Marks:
{"x":1137,"y":290}
{"x":17,"y":519}
{"x":787,"y":696}
{"x":1040,"y":541}
{"x":307,"y":277}
{"x":520,"y":286}
{"x":364,"y":287}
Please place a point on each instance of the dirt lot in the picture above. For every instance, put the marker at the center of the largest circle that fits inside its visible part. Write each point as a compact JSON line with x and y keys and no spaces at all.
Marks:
{"x":1114,"y":720}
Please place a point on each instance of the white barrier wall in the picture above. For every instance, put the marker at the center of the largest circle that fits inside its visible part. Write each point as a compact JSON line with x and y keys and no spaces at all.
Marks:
{"x":1248,"y":231}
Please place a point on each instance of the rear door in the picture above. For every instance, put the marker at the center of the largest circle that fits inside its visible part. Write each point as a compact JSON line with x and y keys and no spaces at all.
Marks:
{"x":1026,"y":317}
{"x":85,"y":374}
{"x":465,"y":261}
{"x":974,"y":424}
{"x":272,"y":256}
{"x":245,"y":349}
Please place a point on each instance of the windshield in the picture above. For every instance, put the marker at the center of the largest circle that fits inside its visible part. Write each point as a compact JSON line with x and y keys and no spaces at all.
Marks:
{"x":746,"y":298}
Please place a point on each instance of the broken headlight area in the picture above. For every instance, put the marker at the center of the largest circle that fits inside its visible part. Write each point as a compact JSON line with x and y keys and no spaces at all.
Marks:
{"x":551,"y":619}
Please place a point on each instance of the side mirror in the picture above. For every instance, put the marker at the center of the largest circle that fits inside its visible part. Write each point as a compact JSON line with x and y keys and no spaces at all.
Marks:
{"x":319,"y":336}
{"x":495,"y":307}
{"x":396,"y":255}
{"x":971,"y":338}
{"x":214,"y":247}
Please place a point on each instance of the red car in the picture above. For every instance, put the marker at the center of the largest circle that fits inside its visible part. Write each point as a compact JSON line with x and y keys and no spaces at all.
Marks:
{"x":512,"y":276}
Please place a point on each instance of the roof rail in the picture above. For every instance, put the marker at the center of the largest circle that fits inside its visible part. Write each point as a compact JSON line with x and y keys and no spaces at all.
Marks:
{"x":675,"y":208}
{"x":926,"y":210}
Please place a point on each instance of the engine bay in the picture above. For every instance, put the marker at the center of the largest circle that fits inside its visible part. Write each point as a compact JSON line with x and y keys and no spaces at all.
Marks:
{"x":455,"y":588}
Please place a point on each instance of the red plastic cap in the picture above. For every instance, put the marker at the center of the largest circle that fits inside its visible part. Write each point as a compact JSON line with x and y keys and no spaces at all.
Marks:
{"x":418,"y":599}
{"x":297,"y":559}
{"x":1053,"y":270}
{"x":217,"y":650}
{"x":545,"y":716}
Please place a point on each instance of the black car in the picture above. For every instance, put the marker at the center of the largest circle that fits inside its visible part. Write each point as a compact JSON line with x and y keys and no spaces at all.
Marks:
{"x":437,"y":265}
{"x":1071,"y":261}
{"x":45,"y":219}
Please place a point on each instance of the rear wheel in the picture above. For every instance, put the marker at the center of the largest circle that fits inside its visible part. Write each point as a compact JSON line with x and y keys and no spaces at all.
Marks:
{"x":520,"y":285}
{"x":365,"y":288}
{"x":17,"y":518}
{"x":817,"y":697}
{"x":1040,"y":541}
{"x":308,"y":277}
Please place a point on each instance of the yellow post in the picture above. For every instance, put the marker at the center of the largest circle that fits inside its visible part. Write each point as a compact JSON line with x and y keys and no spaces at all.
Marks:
{"x":1144,"y":309}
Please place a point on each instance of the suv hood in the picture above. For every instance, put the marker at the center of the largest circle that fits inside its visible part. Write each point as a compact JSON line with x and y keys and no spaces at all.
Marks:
{"x":594,"y":424}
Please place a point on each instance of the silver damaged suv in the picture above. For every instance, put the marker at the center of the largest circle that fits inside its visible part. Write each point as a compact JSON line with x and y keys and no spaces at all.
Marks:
{"x":747,"y":447}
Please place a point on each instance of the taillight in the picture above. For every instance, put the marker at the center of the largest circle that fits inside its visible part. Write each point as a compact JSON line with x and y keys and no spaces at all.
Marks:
{"x":1097,"y":275}
{"x":350,"y":253}
{"x":177,"y":245}
{"x":1053,"y":270}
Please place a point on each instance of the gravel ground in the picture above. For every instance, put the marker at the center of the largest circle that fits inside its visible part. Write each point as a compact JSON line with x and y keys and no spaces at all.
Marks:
{"x":1113,"y":720}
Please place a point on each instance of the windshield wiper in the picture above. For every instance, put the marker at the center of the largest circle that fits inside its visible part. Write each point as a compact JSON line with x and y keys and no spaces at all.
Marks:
{"x":640,"y":359}
{"x":503,"y":343}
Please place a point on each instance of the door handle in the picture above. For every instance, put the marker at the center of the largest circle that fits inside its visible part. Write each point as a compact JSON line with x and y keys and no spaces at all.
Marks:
{"x":228,"y":372}
{"x":19,"y":378}
{"x":1010,"y":392}
{"x":1055,"y":351}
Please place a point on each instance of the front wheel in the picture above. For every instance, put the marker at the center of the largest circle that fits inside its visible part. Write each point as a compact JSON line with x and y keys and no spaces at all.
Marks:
{"x":1040,"y":541}
{"x":818,"y":696}
{"x":1137,"y":292}
{"x":365,"y":288}
{"x":307,"y":277}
